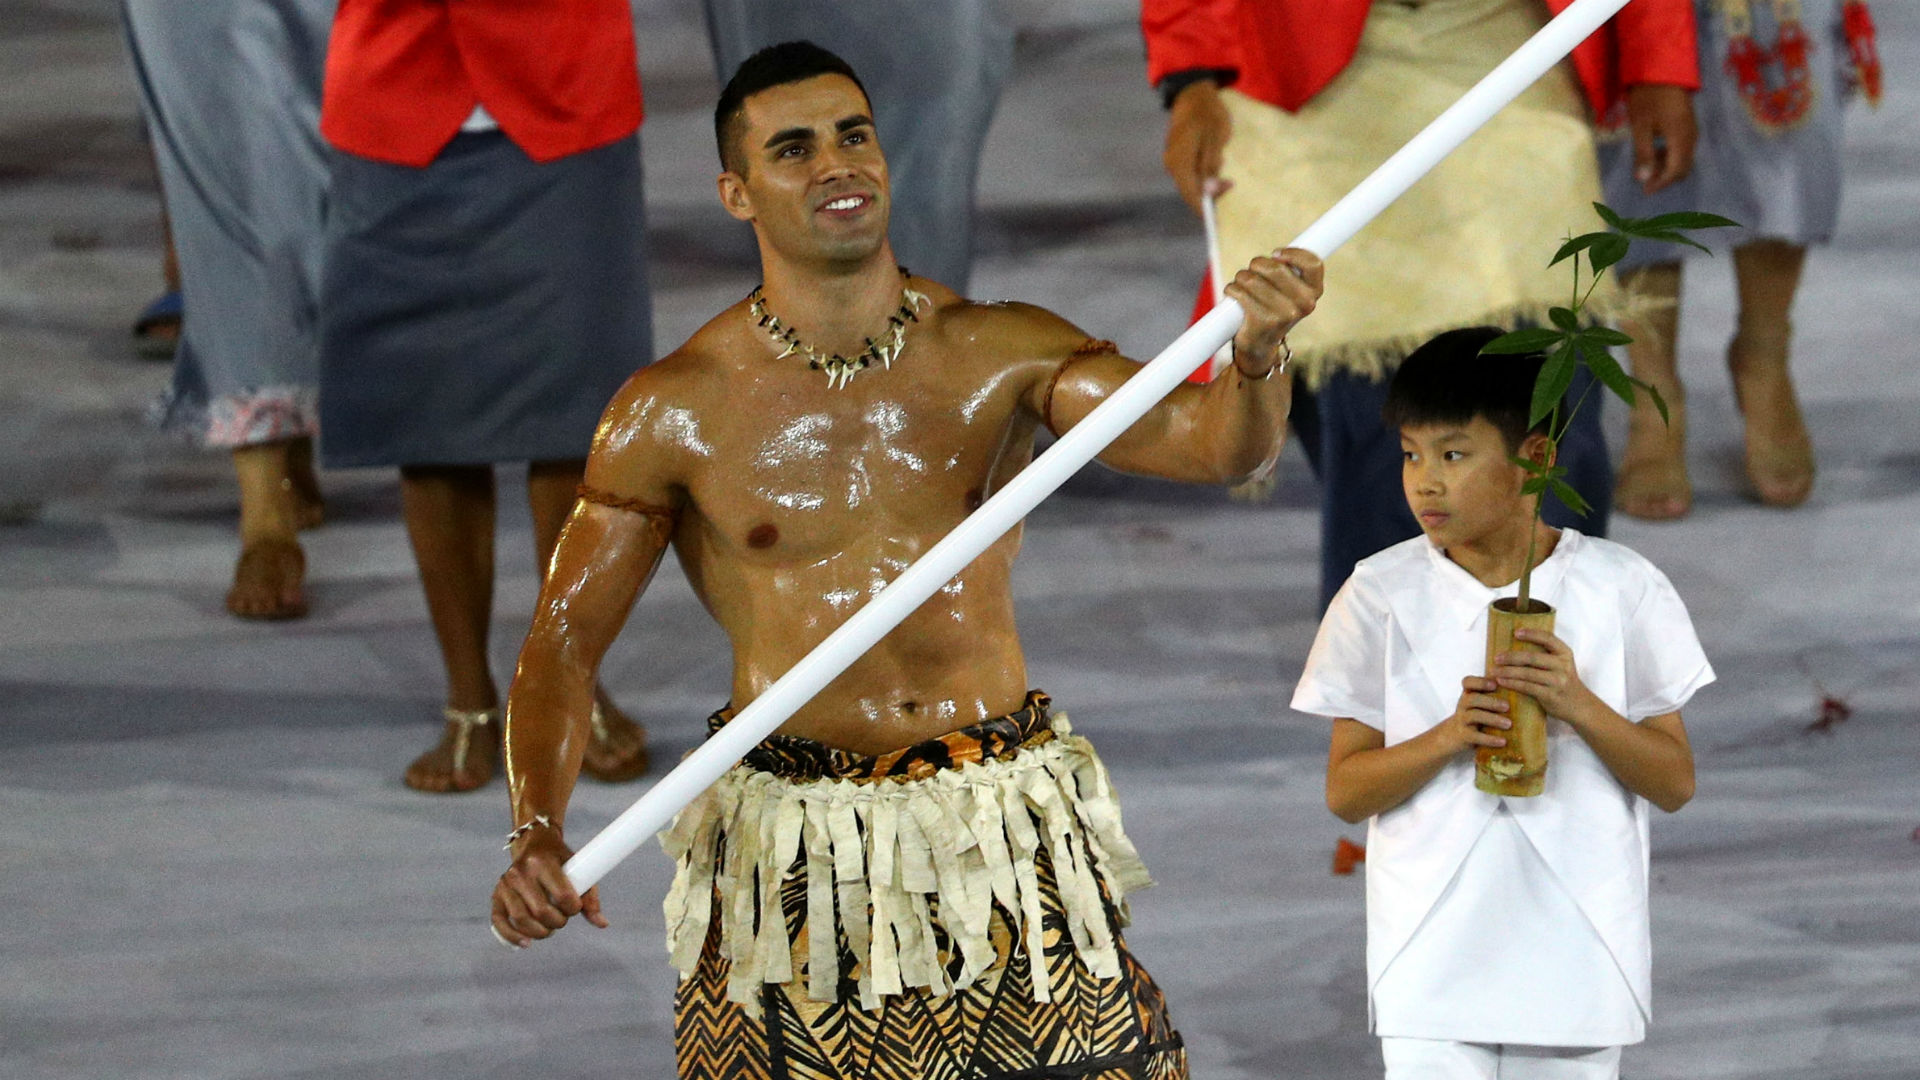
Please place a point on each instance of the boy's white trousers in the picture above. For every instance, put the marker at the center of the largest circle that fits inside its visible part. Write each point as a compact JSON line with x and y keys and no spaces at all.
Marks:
{"x":1437,"y":1059}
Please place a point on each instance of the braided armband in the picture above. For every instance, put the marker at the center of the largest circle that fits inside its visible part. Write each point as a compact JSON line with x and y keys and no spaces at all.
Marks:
{"x":1087,"y":349}
{"x":619,"y":502}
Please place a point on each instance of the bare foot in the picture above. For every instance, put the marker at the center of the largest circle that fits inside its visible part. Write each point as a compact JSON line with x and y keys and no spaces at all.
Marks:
{"x":1652,"y":483}
{"x":617,"y":752}
{"x":268,"y":581}
{"x":466,"y":757}
{"x":1779,"y":452}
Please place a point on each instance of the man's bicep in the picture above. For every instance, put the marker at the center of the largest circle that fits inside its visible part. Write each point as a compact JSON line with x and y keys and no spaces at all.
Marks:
{"x":1083,"y":380}
{"x":637,"y":449}
{"x":604,"y":558}
{"x":1166,"y":441}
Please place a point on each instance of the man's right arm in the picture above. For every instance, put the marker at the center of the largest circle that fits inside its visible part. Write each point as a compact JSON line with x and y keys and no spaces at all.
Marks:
{"x":608,"y":551}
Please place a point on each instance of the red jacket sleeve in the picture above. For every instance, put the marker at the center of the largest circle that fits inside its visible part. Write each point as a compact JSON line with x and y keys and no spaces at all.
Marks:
{"x":1186,"y":34}
{"x":1658,"y":43}
{"x":1650,"y":41}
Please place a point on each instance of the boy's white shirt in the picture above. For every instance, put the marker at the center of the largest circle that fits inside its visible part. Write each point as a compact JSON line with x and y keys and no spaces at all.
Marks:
{"x":1391,"y":652}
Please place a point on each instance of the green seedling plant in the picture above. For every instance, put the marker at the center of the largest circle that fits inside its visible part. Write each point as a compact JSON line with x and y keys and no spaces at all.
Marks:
{"x":1573,"y":342}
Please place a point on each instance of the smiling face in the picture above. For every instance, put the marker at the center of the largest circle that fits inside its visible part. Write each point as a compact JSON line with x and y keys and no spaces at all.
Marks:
{"x":1460,"y":484}
{"x":811,"y":178}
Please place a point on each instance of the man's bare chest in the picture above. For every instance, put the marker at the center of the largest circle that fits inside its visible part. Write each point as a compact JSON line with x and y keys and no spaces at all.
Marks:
{"x":798,"y":478}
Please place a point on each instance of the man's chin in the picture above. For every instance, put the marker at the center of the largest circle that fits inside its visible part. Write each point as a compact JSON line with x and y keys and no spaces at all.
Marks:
{"x":848,"y":251}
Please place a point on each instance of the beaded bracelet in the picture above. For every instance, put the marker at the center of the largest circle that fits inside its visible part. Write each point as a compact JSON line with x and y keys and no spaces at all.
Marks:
{"x":538,"y":821}
{"x":1279,"y":367}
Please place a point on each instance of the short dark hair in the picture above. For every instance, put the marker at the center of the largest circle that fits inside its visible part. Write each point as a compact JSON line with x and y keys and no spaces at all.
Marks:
{"x":775,"y":65}
{"x":1448,"y":381}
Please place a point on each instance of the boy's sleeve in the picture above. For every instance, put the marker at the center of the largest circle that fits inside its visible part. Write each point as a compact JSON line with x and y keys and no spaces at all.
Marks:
{"x":1346,"y":672}
{"x":1665,"y":663}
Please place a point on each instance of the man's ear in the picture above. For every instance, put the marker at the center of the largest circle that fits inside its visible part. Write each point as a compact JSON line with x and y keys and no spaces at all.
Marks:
{"x":734,"y":197}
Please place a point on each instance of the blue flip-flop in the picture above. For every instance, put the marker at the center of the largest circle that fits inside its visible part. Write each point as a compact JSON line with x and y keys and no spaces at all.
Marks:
{"x":165,"y":312}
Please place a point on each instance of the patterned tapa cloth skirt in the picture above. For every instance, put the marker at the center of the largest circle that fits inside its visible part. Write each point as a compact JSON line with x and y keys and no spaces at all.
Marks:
{"x":1467,"y":245}
{"x":1770,"y":112}
{"x":230,"y":90}
{"x":482,"y":309}
{"x":949,"y":911}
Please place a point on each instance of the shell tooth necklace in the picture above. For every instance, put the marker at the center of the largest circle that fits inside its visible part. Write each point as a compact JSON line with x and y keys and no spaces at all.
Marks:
{"x":841,"y":369}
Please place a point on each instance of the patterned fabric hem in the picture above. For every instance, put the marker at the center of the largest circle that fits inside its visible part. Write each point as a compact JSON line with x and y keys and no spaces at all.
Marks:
{"x":1376,"y":359}
{"x":268,"y":414}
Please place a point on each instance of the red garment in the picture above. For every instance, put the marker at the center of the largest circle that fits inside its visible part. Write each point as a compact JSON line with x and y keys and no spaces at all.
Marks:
{"x":558,"y":76}
{"x":1286,"y":51}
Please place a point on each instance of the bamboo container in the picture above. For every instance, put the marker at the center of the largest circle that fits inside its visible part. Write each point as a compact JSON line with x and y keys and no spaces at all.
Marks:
{"x":1520,"y":767}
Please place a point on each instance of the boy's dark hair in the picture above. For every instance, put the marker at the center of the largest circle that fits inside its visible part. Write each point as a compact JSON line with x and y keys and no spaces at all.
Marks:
{"x":1447,"y":381}
{"x":775,"y":65}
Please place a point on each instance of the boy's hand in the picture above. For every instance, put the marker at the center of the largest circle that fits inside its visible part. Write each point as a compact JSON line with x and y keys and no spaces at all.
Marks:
{"x":1476,"y":721}
{"x":1549,"y":677}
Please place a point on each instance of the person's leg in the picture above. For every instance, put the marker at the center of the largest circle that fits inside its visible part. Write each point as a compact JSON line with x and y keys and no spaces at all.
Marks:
{"x":157,"y":331}
{"x":449,"y":510}
{"x":1779,"y":453}
{"x":1519,"y":1062}
{"x":268,"y":581}
{"x":310,"y":510}
{"x":1438,"y":1059}
{"x":1304,"y":420}
{"x":1653,"y":483}
{"x":617,"y":752}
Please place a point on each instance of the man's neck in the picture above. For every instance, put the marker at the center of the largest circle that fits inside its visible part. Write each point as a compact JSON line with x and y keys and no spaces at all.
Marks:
{"x":1498,"y":559}
{"x":832,"y":307}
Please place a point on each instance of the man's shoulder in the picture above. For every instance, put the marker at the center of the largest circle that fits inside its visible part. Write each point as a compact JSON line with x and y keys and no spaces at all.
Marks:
{"x":686,"y":382}
{"x":1005,"y":329}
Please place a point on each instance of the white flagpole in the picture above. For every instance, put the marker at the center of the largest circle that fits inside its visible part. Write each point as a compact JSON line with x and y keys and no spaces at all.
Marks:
{"x":1216,"y":275}
{"x":1074,"y":449}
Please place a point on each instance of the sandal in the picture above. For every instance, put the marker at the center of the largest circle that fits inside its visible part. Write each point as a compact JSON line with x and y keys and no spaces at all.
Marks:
{"x":466,"y":756}
{"x":156,"y":333}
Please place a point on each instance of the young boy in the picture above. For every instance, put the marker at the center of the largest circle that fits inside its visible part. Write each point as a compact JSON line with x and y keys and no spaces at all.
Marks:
{"x":1505,"y":937}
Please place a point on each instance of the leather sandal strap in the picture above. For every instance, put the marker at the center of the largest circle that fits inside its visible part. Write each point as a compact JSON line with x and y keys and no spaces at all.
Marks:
{"x":464,"y":723}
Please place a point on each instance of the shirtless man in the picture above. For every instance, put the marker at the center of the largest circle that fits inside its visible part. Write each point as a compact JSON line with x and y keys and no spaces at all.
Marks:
{"x":794,"y":484}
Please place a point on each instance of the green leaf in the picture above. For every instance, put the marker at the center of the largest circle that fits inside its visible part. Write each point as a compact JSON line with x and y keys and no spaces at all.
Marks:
{"x":1535,"y":486}
{"x":1565,"y":493}
{"x":1607,"y":251}
{"x":1575,"y":246}
{"x":1522,"y":341}
{"x":1555,"y":376}
{"x":1612,"y":219}
{"x":1659,"y":403}
{"x":1608,"y":371}
{"x":1671,"y":237}
{"x":1564,"y":318}
{"x":1605,"y":335}
{"x":1689,"y":219}
{"x":1536,"y":468}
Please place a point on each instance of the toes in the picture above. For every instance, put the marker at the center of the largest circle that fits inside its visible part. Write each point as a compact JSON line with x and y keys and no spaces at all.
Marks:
{"x":427,"y":779}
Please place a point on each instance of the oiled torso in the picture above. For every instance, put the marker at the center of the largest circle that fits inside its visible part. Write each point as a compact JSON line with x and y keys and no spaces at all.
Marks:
{"x":801,"y":501}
